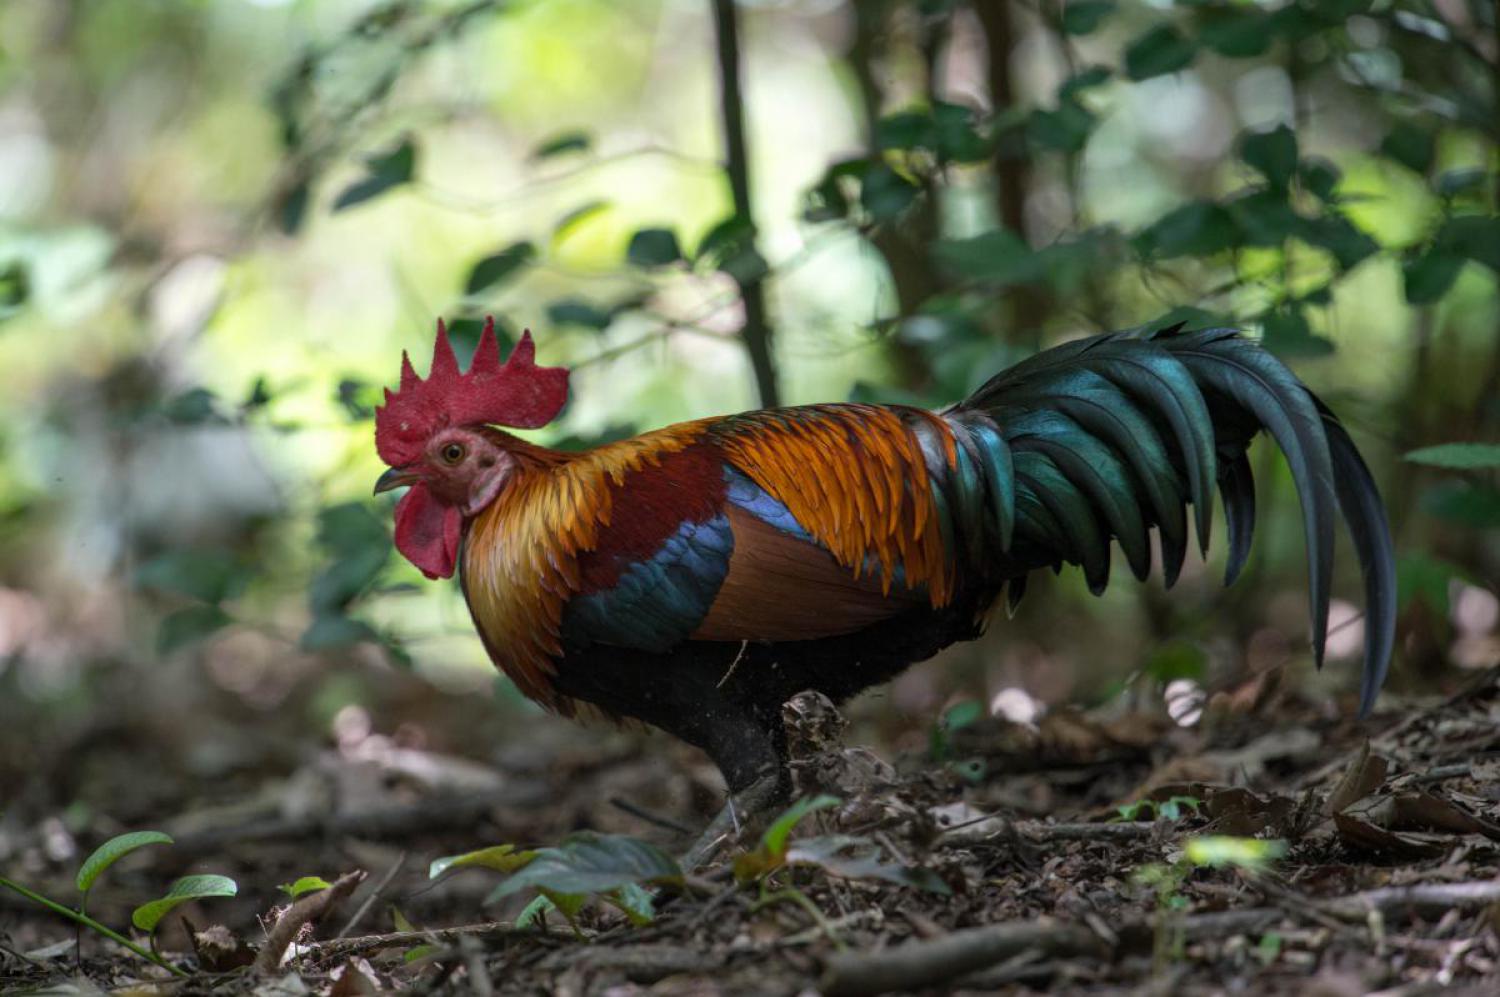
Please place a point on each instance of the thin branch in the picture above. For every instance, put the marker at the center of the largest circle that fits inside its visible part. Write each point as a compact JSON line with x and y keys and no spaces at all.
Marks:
{"x":757,"y":332}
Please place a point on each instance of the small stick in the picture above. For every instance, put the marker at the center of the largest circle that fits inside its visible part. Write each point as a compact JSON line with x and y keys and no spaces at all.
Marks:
{"x":479,"y":974}
{"x":738,"y":657}
{"x":302,"y":913}
{"x":647,"y":816}
{"x":364,"y":908}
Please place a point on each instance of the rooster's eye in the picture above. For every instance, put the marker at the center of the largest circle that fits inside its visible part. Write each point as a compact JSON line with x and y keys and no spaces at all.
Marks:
{"x":453,"y":453}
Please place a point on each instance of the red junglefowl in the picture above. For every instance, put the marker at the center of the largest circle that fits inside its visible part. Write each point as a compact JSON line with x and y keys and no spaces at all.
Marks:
{"x":698,"y":576}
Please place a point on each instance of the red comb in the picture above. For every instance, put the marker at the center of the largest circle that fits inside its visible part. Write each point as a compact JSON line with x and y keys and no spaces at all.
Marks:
{"x":516,"y":393}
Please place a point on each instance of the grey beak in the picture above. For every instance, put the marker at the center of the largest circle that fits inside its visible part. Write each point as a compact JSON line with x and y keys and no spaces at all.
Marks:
{"x":396,"y":477}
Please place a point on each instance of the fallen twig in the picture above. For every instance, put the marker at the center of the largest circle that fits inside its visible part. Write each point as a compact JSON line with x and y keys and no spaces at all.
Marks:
{"x":921,"y":964}
{"x":916,"y":965}
{"x":995,"y":828}
{"x":369,"y":902}
{"x":337,"y":947}
{"x":305,"y":911}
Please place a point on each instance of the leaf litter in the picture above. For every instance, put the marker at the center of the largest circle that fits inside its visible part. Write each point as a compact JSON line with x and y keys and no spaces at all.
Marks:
{"x":1099,"y":851}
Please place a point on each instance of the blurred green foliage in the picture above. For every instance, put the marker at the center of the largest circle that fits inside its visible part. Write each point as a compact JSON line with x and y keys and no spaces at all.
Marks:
{"x":268,"y":201}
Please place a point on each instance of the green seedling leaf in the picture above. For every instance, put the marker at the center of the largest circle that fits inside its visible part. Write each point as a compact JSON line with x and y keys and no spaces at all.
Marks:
{"x":501,"y":858}
{"x":858,"y":858}
{"x":147,"y":916}
{"x":534,"y":915}
{"x":306,"y":884}
{"x":1219,"y":850}
{"x":592,"y":863}
{"x":112,"y":851}
{"x":770,"y":854}
{"x":1459,"y":456}
{"x":1268,"y":949}
{"x":635,"y":902}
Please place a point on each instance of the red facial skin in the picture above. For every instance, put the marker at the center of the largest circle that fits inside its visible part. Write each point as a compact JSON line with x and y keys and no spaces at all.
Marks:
{"x":461,"y":471}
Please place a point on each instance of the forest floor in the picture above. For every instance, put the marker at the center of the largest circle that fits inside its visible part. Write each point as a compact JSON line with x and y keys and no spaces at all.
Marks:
{"x":1290,"y":852}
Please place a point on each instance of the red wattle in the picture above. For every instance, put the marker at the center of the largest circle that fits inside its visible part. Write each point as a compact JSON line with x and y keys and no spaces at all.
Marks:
{"x":428,"y":531}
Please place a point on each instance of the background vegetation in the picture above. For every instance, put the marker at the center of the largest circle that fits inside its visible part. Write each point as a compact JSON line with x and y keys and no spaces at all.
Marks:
{"x":221,"y":222}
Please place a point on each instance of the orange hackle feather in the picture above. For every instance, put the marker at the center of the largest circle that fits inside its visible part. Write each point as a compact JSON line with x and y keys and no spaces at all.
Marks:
{"x":855,"y":478}
{"x":521,"y":560}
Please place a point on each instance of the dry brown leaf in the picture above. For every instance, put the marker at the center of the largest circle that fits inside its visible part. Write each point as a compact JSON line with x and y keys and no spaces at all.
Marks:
{"x":1362,"y":834}
{"x":1426,"y":811}
{"x":1363,"y":776}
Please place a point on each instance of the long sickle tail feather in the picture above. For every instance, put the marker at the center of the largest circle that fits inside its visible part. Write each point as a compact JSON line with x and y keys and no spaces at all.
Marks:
{"x":1103,"y":438}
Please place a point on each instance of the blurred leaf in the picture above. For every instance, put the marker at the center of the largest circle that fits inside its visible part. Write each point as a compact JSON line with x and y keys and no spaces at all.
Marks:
{"x":1177,"y":659}
{"x":955,"y":136}
{"x":1429,"y":276}
{"x":350,"y":527}
{"x":357,"y":398}
{"x":15,"y":288}
{"x":1082,"y":17}
{"x":885,"y":194}
{"x":653,"y":247}
{"x":291,"y":207}
{"x":306,"y":884}
{"x":570,"y":221}
{"x":1410,"y":145}
{"x":464,"y":333}
{"x":1450,"y":183}
{"x":858,"y":858}
{"x":1419,"y":576}
{"x":1066,"y":129}
{"x":1264,"y":217}
{"x":1287,"y":334}
{"x":563,"y":142}
{"x":188,"y":626}
{"x":587,"y":862}
{"x":1339,"y":236}
{"x":501,"y":858}
{"x":997,"y":255}
{"x":1474,"y":237}
{"x":577,"y":311}
{"x":534,"y":914}
{"x":194,"y":407}
{"x":1199,"y":228}
{"x":1463,"y":503}
{"x":1158,"y":51}
{"x":203,"y":573}
{"x":730,"y":247}
{"x":961,"y":715}
{"x":500,"y":267}
{"x":112,"y":851}
{"x":1319,"y":177}
{"x":330,"y":632}
{"x":1463,"y":456}
{"x":904,"y":130}
{"x":1273,"y":154}
{"x":147,"y":916}
{"x":1217,"y":851}
{"x":635,"y":902}
{"x":1236,"y":32}
{"x":1084,"y":79}
{"x":382,"y":173}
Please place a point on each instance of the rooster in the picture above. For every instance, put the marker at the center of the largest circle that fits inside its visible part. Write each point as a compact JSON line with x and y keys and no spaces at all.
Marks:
{"x":698,"y":576}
